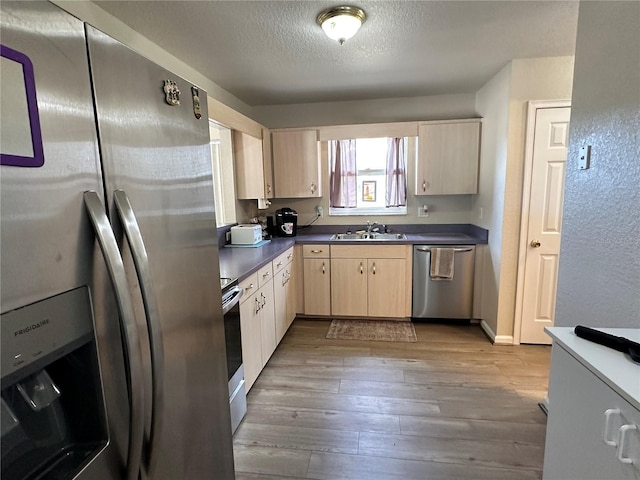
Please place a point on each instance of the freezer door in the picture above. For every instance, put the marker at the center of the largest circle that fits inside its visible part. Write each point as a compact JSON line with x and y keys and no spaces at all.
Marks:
{"x":48,"y":244}
{"x":154,"y":146}
{"x":46,"y":104}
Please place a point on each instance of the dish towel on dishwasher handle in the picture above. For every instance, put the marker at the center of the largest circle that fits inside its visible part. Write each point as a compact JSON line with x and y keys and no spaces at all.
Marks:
{"x":441,"y":264}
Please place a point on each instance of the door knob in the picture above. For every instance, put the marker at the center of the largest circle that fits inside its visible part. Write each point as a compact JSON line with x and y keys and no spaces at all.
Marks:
{"x":535,"y":243}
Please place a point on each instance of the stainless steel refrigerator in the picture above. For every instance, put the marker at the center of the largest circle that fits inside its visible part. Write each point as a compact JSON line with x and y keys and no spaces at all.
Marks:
{"x":113,"y":356}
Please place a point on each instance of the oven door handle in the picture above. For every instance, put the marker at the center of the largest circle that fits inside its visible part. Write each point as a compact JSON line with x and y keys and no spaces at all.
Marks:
{"x":235,"y":295}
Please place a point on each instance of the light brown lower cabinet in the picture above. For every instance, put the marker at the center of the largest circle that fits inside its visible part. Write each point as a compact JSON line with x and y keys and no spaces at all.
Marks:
{"x":257,"y":323}
{"x":284,"y":292}
{"x":369,"y":281}
{"x":317,"y":279}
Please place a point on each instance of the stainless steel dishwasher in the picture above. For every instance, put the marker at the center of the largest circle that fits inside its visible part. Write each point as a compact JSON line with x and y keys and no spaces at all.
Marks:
{"x":443,"y":298}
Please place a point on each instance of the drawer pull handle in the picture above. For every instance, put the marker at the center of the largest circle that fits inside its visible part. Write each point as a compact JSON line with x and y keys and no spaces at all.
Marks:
{"x":289,"y":256}
{"x":279,"y":264}
{"x":250,"y":287}
{"x":622,"y":434}
{"x":266,"y":274}
{"x":316,"y":251}
{"x":607,"y":417}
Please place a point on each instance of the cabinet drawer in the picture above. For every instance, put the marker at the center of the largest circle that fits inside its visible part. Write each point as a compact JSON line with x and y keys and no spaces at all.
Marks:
{"x":282,"y":261}
{"x":250,"y":286}
{"x":265,"y":274}
{"x":368,"y":251}
{"x":315,"y":251}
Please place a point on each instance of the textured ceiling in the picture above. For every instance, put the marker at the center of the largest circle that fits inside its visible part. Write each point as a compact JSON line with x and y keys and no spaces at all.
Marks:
{"x":273,"y":52}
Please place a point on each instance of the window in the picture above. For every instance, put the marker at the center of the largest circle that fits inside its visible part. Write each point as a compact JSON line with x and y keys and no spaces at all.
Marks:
{"x":368,"y":176}
{"x":222,"y":164}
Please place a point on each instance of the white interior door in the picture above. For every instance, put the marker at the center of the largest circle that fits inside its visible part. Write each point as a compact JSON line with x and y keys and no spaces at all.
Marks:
{"x":551,"y":135}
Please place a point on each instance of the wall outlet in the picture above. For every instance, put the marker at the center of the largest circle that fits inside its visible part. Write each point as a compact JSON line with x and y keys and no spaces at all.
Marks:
{"x":319,"y":211}
{"x":423,"y":211}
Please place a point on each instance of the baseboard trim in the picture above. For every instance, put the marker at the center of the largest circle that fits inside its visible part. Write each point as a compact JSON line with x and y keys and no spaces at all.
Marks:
{"x":496,"y":339}
{"x":544,"y":405}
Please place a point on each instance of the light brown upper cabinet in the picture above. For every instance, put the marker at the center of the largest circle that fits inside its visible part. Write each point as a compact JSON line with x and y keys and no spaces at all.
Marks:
{"x":253,"y":165}
{"x":296,"y":163}
{"x":448,"y":157}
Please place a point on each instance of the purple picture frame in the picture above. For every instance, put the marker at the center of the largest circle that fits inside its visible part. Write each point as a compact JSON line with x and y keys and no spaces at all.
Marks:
{"x":37,"y":160}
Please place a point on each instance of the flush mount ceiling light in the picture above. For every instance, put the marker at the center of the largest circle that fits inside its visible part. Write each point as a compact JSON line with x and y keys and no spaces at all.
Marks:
{"x":341,"y":23}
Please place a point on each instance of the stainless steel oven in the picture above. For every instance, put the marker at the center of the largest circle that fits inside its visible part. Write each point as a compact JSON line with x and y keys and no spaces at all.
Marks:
{"x":231,"y":294}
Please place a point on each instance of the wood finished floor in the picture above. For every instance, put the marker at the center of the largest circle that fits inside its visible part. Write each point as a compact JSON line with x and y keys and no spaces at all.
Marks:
{"x":451,"y":406}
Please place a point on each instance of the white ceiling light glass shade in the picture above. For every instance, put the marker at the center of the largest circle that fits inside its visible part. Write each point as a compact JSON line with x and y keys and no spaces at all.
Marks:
{"x":341,"y":23}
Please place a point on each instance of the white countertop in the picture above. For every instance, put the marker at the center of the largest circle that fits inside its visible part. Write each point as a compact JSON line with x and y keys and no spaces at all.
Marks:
{"x":614,"y":368}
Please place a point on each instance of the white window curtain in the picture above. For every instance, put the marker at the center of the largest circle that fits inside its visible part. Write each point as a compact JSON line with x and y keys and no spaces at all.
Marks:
{"x":342,"y":181}
{"x":396,"y":193}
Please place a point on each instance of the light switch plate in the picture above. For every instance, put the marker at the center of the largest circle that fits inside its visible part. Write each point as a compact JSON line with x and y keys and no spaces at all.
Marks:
{"x":584,"y":158}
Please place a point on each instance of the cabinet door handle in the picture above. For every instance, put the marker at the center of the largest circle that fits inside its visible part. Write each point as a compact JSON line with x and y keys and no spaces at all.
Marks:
{"x":622,"y":435}
{"x":313,"y":188}
{"x":323,"y":268}
{"x":424,"y":185}
{"x":361,"y":269}
{"x":605,"y":434}
{"x":258,"y":306}
{"x":268,"y":188}
{"x":373,"y":269}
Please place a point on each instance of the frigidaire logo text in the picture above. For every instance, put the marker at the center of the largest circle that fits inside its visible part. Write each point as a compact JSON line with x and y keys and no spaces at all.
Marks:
{"x":31,"y":327}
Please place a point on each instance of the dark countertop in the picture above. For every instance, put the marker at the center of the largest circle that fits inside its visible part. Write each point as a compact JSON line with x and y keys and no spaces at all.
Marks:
{"x":240,"y":262}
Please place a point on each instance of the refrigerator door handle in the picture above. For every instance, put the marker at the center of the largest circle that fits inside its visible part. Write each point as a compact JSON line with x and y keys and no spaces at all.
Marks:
{"x":115,"y":267}
{"x":141,"y":261}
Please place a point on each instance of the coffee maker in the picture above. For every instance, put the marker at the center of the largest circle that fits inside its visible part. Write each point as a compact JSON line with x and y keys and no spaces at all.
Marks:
{"x":286,"y":222}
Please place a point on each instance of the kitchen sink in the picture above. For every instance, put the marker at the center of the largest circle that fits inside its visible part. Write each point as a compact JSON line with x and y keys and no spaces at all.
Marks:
{"x":368,"y":236}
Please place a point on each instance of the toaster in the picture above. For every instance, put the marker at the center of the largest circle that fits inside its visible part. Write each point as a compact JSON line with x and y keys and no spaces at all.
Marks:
{"x":246,"y":234}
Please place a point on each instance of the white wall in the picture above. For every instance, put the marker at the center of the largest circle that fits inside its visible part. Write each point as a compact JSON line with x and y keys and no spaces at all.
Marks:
{"x":437,"y":107}
{"x":502,"y":102}
{"x":599,"y":278}
{"x":492,"y":103}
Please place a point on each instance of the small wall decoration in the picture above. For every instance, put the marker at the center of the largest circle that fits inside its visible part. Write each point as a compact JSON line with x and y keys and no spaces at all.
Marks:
{"x":369,"y":191}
